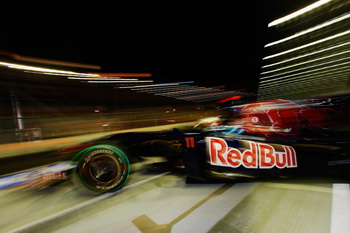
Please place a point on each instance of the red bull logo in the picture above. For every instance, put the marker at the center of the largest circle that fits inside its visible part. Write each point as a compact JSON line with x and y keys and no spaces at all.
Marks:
{"x":258,"y":155}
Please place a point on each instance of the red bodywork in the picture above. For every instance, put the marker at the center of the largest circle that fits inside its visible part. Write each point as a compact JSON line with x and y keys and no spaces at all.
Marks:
{"x":282,"y":118}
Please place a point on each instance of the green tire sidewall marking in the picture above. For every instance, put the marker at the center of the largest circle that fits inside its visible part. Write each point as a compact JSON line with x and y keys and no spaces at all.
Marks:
{"x":116,"y":150}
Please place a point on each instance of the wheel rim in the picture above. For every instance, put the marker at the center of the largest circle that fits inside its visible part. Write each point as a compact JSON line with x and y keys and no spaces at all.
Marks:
{"x":104,"y":169}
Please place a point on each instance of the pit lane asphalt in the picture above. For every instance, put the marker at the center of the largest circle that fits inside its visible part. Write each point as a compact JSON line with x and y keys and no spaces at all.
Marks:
{"x":163,"y":202}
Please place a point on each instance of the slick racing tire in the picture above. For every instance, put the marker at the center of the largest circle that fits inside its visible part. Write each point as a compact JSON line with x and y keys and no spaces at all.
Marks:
{"x":101,"y":168}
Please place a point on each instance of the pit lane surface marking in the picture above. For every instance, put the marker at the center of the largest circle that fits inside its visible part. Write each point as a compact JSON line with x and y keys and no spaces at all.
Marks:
{"x":194,"y":224}
{"x":340,"y":208}
{"x":183,"y":207}
{"x":270,"y":207}
{"x":340,"y":203}
{"x":146,"y":224}
{"x":82,"y":205}
{"x":287,"y":207}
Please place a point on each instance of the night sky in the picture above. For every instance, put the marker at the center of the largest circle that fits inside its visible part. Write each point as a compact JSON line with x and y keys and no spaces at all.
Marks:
{"x":211,"y":43}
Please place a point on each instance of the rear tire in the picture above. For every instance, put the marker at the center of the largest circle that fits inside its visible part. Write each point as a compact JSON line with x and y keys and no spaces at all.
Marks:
{"x":102,"y":168}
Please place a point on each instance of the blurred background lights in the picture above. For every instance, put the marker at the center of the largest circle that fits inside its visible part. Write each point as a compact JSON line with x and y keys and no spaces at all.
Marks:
{"x":310,"y":55}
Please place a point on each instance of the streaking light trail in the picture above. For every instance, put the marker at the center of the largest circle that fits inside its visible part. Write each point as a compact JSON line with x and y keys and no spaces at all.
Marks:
{"x":157,"y":85}
{"x":308,"y":45}
{"x":298,"y":13}
{"x":326,"y":24}
{"x":230,"y":98}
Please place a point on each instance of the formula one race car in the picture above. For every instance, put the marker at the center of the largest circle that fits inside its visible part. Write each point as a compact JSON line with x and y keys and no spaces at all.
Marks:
{"x":304,"y":143}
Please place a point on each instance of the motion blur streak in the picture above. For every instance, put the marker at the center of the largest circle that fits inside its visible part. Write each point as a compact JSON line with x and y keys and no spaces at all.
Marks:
{"x":230,"y":98}
{"x":44,"y":70}
{"x":328,"y":23}
{"x":121,"y":81}
{"x":193,"y":89}
{"x":298,"y":13}
{"x":307,"y":54}
{"x":309,"y":44}
{"x":145,"y":75}
{"x":76,"y":75}
{"x":280,"y":81}
{"x":305,"y":62}
{"x":310,"y":55}
{"x":49,"y":61}
{"x":99,"y":78}
{"x":309,"y":71}
{"x":157,"y":85}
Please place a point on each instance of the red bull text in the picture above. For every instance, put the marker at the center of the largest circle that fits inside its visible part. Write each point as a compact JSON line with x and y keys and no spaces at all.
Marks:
{"x":258,"y":155}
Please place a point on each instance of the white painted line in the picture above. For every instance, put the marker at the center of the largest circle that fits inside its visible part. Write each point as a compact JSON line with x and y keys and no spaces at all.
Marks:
{"x":82,"y":205}
{"x":340,"y":208}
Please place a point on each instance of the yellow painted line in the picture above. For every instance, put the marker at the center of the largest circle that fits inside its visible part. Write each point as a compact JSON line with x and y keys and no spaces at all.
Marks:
{"x":300,"y":187}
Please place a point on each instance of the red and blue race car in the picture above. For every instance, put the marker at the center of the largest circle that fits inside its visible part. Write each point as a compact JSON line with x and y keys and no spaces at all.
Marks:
{"x":258,"y":141}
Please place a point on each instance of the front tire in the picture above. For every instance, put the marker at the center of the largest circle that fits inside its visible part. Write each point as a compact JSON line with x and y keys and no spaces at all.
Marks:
{"x":102,"y":168}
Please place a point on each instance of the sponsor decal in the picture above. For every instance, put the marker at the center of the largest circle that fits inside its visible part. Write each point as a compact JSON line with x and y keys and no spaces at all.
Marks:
{"x":54,"y":176}
{"x":99,"y":151}
{"x":257,"y":156}
{"x":33,"y":177}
